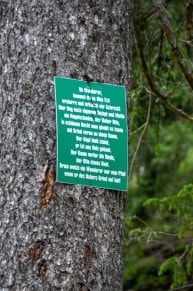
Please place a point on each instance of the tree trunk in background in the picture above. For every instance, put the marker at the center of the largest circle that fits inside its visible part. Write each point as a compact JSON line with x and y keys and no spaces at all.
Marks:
{"x":75,"y":242}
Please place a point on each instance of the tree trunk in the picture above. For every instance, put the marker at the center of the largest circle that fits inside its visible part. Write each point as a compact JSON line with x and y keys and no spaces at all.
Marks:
{"x":74,"y":241}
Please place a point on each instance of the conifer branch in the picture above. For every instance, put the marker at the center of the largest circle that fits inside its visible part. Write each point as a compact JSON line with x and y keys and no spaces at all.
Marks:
{"x":151,"y":83}
{"x":145,"y":126}
{"x":167,"y":27}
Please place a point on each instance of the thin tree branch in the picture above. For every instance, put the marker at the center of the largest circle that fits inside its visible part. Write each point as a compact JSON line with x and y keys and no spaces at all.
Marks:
{"x":163,"y":15}
{"x":149,"y":77}
{"x":181,"y":287}
{"x":159,"y":60}
{"x":135,"y":131}
{"x":189,"y":22}
{"x":145,"y":15}
{"x":145,"y":126}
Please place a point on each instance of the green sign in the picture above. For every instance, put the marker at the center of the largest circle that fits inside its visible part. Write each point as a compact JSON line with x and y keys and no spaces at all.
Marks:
{"x":92,"y":137}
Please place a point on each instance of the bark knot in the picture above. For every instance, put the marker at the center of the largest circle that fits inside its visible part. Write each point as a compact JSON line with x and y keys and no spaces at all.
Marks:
{"x":47,"y":189}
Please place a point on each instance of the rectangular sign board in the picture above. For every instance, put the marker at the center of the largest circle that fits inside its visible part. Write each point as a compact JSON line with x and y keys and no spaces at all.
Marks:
{"x":92,"y":134}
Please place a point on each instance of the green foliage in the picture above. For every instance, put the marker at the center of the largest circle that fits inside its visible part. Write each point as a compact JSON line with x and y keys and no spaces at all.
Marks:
{"x":154,"y":215}
{"x":159,"y":224}
{"x":181,"y":208}
{"x":189,"y":259}
{"x":174,"y":266}
{"x":142,"y":274}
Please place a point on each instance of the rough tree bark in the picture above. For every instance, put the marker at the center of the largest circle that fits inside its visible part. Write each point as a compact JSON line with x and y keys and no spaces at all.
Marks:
{"x":74,"y":242}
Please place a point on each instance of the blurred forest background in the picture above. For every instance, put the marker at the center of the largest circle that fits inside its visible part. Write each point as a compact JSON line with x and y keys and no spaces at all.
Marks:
{"x":158,"y":248}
